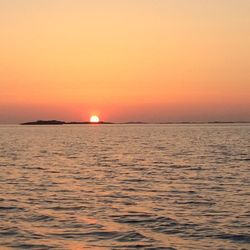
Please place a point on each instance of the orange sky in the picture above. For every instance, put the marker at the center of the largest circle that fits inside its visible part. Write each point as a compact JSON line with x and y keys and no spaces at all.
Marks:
{"x":144,"y":60}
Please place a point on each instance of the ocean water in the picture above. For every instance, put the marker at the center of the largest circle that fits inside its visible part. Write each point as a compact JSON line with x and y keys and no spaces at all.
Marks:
{"x":125,"y":187}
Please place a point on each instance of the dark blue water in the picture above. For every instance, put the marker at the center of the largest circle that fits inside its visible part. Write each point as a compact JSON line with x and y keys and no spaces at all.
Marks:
{"x":125,"y":187}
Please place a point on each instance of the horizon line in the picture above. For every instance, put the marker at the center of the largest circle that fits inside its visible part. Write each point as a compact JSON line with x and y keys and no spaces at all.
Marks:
{"x":127,"y":122}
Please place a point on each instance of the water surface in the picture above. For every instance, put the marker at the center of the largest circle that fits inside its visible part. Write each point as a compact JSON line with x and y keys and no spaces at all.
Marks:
{"x":125,"y":187}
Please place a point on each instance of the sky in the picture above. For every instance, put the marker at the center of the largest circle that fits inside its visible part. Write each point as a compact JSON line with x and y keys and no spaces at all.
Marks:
{"x":125,"y":60}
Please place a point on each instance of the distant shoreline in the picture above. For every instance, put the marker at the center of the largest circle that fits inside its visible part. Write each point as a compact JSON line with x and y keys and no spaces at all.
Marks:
{"x":56,"y":122}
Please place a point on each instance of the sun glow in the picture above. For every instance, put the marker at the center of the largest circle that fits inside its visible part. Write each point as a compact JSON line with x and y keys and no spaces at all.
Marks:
{"x":94,"y":119}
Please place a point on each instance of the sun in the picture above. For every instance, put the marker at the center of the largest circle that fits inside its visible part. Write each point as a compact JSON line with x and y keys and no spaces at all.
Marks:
{"x":94,"y":119}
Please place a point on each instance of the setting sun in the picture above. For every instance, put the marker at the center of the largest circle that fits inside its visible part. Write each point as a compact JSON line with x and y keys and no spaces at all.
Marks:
{"x":94,"y":119}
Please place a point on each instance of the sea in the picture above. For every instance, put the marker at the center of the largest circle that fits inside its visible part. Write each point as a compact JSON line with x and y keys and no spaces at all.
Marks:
{"x":165,"y":186}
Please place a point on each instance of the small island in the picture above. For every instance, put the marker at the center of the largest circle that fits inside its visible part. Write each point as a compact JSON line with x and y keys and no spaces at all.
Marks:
{"x":42,"y":122}
{"x":55,"y":122}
